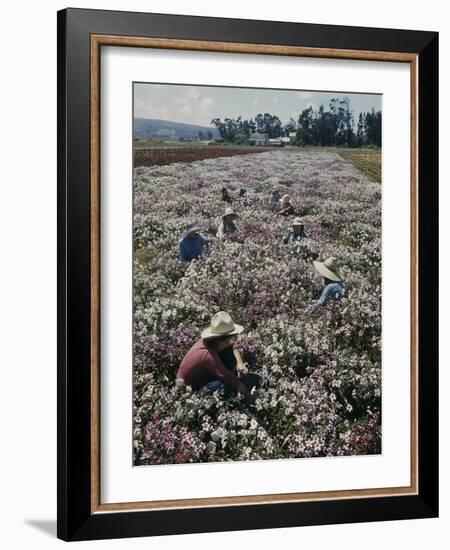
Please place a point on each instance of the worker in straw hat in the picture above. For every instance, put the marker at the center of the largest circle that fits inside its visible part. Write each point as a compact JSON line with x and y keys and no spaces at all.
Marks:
{"x":286,"y":207}
{"x":334,"y":286}
{"x":192,"y":243}
{"x":296,"y":232}
{"x":227,"y":225}
{"x":214,"y":362}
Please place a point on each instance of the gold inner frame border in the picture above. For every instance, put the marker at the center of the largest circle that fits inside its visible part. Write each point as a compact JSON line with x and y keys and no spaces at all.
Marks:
{"x":97,"y":41}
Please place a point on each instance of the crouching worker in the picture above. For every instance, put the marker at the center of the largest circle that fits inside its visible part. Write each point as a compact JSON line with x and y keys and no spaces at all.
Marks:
{"x":286,"y":206}
{"x":214,"y":362}
{"x":192,"y":243}
{"x":334,"y":286}
{"x":226,"y":196}
{"x":227,"y":226}
{"x":296,"y":232}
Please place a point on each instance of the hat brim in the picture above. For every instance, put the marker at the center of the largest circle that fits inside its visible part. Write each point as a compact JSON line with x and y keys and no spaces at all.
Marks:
{"x":323,"y":270}
{"x":207,"y":334}
{"x":234,"y":214}
{"x":193,"y":229}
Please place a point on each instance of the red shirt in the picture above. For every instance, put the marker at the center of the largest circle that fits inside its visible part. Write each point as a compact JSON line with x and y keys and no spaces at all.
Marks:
{"x":201,"y":365}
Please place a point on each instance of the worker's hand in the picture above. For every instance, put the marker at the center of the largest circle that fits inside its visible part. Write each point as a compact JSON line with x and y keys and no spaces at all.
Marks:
{"x":242,"y":369}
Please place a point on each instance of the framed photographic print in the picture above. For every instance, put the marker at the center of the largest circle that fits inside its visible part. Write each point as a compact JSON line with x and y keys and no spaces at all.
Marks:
{"x":247,"y":274}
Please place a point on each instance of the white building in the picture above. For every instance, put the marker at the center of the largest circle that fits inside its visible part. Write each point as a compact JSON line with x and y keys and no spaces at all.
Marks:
{"x":258,"y":139}
{"x":276,"y":142}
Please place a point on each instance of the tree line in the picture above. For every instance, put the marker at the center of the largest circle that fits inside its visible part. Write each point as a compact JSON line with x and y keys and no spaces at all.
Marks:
{"x":332,"y":127}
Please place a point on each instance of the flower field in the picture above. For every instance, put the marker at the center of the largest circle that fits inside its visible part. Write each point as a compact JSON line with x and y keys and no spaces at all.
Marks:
{"x":321,"y":367}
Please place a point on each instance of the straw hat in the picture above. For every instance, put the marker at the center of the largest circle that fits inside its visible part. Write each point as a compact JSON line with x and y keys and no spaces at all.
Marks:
{"x":297,"y":221}
{"x":221,"y":325}
{"x":230,"y":212}
{"x":328,"y":269}
{"x":190,"y":228}
{"x":285,"y":198}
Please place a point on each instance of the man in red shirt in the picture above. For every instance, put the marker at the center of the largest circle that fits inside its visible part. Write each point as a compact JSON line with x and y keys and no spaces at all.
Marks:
{"x":214,"y":362}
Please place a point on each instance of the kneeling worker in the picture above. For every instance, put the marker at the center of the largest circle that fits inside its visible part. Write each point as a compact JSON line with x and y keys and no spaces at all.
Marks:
{"x":213,"y":362}
{"x":192,"y":243}
{"x":334,"y":288}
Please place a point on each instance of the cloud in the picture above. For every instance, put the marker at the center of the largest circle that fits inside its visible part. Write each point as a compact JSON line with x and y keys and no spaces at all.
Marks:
{"x":180,"y":100}
{"x":305,"y":95}
{"x":144,"y":109}
{"x":185,"y":111}
{"x":188,"y":105}
{"x":207,"y":102}
{"x":193,"y":92}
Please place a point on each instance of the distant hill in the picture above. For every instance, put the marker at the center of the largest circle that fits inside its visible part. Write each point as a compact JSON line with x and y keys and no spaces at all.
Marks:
{"x":166,"y":129}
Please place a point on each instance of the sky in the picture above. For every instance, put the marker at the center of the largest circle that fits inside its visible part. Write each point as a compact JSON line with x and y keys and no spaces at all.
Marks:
{"x":200,"y":104}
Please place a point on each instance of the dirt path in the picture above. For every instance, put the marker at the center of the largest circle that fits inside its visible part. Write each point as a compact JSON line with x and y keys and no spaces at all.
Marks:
{"x":160,"y":157}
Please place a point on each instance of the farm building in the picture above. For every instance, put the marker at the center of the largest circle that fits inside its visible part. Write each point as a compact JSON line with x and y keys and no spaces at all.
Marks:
{"x":276,"y":142}
{"x":258,"y":139}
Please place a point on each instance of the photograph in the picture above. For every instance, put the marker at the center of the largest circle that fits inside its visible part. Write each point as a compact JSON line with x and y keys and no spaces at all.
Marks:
{"x":257,"y":274}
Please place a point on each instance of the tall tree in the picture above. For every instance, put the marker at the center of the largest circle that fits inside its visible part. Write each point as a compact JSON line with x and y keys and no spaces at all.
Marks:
{"x":334,"y":127}
{"x":221,"y":126}
{"x":324,"y":128}
{"x":290,"y":126}
{"x":361,"y":132}
{"x":373,"y":125}
{"x":340,"y":109}
{"x":305,"y":127}
{"x":259,"y":121}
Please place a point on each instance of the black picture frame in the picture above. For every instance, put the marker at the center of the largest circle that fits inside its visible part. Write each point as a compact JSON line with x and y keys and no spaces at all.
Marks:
{"x":76,"y":519}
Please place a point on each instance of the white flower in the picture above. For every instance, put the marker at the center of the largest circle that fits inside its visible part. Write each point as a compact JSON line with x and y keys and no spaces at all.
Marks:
{"x":218,"y":434}
{"x":242,"y":420}
{"x":253,"y":424}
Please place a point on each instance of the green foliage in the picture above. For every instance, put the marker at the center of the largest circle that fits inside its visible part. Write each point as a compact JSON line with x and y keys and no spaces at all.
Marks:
{"x":331,"y":128}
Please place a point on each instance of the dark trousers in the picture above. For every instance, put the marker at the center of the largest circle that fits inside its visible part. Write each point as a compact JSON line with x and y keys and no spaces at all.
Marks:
{"x":250,"y":380}
{"x":229,"y":360}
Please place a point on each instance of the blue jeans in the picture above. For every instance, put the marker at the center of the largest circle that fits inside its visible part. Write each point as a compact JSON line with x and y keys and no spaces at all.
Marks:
{"x":217,"y":385}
